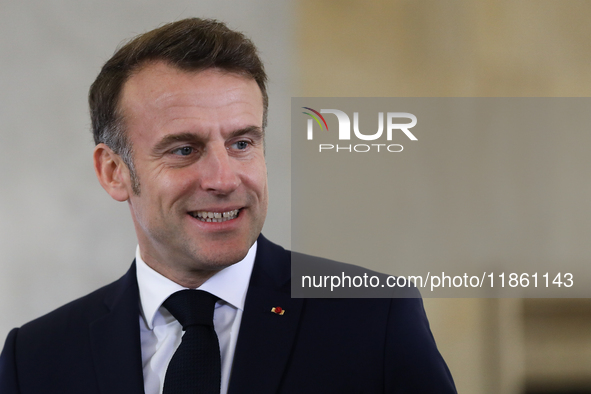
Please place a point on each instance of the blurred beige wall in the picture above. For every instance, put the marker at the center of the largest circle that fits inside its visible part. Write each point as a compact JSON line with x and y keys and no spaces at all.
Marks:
{"x":354,"y":48}
{"x":419,"y":48}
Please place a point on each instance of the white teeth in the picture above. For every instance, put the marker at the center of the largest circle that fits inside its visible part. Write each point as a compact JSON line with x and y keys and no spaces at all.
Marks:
{"x":207,"y":216}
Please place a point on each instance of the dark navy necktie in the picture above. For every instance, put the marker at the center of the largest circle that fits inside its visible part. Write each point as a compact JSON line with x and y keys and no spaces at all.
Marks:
{"x":195,"y":367}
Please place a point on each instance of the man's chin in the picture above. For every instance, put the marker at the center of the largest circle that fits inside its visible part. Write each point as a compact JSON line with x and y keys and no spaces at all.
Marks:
{"x":216,"y":261}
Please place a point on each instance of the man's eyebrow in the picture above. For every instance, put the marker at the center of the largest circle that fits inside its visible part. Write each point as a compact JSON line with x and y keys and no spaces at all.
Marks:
{"x":256,"y":131}
{"x":172,"y":138}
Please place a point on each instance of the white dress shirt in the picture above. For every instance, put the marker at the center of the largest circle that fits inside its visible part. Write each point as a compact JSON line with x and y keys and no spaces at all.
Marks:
{"x":161,"y":333}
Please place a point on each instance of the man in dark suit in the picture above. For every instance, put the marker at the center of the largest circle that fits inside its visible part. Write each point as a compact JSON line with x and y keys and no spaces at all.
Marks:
{"x":178,"y":117}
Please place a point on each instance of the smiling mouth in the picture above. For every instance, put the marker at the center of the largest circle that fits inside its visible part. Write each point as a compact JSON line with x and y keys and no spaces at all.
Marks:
{"x":216,"y":217}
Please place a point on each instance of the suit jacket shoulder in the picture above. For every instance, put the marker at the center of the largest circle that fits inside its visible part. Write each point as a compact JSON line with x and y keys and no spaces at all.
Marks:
{"x":80,"y":346}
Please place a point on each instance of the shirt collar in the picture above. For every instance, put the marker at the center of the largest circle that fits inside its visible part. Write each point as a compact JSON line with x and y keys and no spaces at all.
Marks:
{"x":229,"y":285}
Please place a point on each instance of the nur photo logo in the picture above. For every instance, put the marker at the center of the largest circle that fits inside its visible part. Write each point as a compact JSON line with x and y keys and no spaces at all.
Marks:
{"x":393,"y":125}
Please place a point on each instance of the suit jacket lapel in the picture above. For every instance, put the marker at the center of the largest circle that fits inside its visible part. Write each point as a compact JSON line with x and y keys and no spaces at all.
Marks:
{"x":115,"y":340}
{"x":266,"y":339}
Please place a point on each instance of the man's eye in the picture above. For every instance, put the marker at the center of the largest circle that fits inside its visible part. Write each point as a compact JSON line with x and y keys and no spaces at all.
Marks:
{"x":241,"y":145}
{"x":183,"y":151}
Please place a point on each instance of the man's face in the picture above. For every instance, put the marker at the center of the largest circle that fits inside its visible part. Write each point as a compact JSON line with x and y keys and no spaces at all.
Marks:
{"x":198,"y":152}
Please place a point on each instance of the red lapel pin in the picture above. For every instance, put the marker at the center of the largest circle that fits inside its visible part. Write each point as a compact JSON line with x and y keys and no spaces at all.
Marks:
{"x":278,"y":310}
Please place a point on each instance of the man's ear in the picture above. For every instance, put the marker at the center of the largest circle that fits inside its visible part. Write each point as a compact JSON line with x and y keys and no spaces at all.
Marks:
{"x":112,"y":172}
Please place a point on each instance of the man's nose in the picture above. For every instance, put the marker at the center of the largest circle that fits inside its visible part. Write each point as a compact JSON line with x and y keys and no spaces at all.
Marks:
{"x":218,"y":171}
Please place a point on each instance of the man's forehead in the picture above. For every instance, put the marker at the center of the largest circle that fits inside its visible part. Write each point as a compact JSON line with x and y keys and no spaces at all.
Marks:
{"x":161,"y":99}
{"x":158,"y":83}
{"x":158,"y":92}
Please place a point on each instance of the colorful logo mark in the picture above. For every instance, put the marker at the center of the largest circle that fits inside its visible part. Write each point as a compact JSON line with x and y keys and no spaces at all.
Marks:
{"x":316,"y":117}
